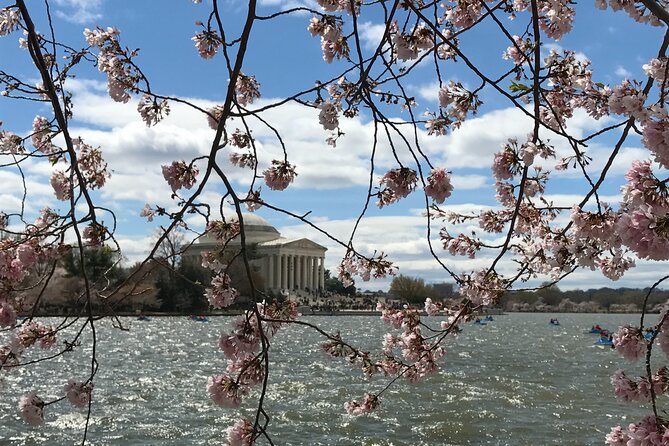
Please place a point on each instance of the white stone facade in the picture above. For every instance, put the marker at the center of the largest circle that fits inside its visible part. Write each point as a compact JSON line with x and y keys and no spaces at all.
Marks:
{"x":284,"y":264}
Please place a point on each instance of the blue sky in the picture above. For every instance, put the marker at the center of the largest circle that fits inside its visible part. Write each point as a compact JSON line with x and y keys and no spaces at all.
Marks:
{"x":331,"y":182}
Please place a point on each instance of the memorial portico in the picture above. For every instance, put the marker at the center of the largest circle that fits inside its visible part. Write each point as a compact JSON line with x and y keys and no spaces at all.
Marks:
{"x":293,"y":264}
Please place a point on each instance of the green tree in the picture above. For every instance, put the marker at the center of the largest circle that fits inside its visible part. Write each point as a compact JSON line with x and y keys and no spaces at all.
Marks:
{"x":183,"y":289}
{"x":100,"y":265}
{"x":410,"y":289}
{"x":334,"y":285}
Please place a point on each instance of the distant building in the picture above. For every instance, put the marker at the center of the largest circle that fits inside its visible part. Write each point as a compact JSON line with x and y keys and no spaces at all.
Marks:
{"x":284,"y":264}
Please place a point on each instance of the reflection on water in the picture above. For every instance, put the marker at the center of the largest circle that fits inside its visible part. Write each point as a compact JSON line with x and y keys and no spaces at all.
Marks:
{"x":515,"y":381}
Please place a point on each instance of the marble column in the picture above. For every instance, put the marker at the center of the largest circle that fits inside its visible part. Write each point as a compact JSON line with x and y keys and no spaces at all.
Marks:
{"x":314,"y":273}
{"x":277,"y":271}
{"x":298,"y":272}
{"x":291,"y":273}
{"x":303,"y":272}
{"x":270,"y":272}
{"x":284,"y":271}
{"x":321,"y":281}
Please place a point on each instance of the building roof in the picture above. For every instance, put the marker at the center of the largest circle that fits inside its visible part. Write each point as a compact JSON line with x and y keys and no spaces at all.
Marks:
{"x":297,"y":243}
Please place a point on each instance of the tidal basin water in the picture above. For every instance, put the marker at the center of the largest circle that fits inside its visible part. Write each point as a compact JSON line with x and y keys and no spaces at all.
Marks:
{"x":516,"y":381}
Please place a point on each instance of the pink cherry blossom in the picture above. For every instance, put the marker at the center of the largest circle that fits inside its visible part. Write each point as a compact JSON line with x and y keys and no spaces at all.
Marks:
{"x":506,"y":163}
{"x":10,"y":143}
{"x":518,"y":52}
{"x":327,"y":116}
{"x":617,"y":437}
{"x":656,"y":139}
{"x":483,"y":287}
{"x":223,"y":230}
{"x":214,"y":116}
{"x":279,"y":175}
{"x":7,"y":315}
{"x":78,"y":393}
{"x":460,"y":245}
{"x":627,"y":100}
{"x":253,"y":201}
{"x":663,"y":337}
{"x":431,"y":308}
{"x":225,"y":392}
{"x":9,"y":20}
{"x":629,"y":342}
{"x":221,"y":294}
{"x":247,"y":88}
{"x":31,"y":408}
{"x":248,"y":367}
{"x":241,"y":433}
{"x":556,"y":18}
{"x":26,"y":254}
{"x":207,"y":43}
{"x":645,"y":230}
{"x":61,"y":185}
{"x":9,"y":356}
{"x":41,"y":135}
{"x":243,"y":159}
{"x":400,"y":182}
{"x":152,"y":110}
{"x":147,"y":212}
{"x":33,"y":331}
{"x":458,"y":101}
{"x":367,"y":405}
{"x":179,"y":174}
{"x":241,"y":140}
{"x":439,"y":185}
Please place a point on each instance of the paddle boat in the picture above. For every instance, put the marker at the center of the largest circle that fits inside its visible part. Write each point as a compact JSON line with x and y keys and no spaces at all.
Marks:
{"x":479,"y":322}
{"x":143,"y":318}
{"x":604,"y":341}
{"x":198,"y":318}
{"x":488,"y":318}
{"x":596,"y":329}
{"x":554,"y":322}
{"x":648,"y":334}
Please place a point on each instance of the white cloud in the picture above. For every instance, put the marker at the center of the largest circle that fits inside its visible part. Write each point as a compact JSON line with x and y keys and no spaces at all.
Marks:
{"x":429,"y":92}
{"x":371,"y":34}
{"x":467,"y":182}
{"x":404,"y":238}
{"x":79,"y":11}
{"x":622,"y":72}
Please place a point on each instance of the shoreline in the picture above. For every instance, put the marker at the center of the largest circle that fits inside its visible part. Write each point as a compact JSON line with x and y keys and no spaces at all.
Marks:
{"x":301,"y":313}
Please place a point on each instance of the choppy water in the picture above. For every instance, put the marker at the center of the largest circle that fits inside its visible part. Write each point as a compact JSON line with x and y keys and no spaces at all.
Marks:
{"x":515,"y":381}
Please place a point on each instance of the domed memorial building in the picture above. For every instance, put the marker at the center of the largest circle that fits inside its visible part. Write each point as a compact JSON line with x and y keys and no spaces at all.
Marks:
{"x":284,"y":264}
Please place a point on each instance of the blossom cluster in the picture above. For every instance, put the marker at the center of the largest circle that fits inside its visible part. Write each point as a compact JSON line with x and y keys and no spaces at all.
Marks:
{"x":179,"y":174}
{"x":207,"y":43}
{"x":408,"y":354}
{"x":123,"y":77}
{"x":407,"y":45}
{"x":648,"y":432}
{"x":333,"y":43}
{"x":10,"y":20}
{"x":221,"y":294}
{"x":354,"y":265}
{"x":279,"y":175}
{"x":245,"y":368}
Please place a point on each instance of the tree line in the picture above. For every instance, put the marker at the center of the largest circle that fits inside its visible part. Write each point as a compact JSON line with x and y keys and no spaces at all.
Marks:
{"x":414,"y":290}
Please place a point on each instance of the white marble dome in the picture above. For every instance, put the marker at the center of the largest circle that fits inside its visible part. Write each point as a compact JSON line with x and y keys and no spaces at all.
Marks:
{"x":257,"y":229}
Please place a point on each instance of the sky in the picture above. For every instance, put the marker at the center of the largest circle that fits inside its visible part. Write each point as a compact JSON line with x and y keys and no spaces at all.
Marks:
{"x":331,"y":182}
